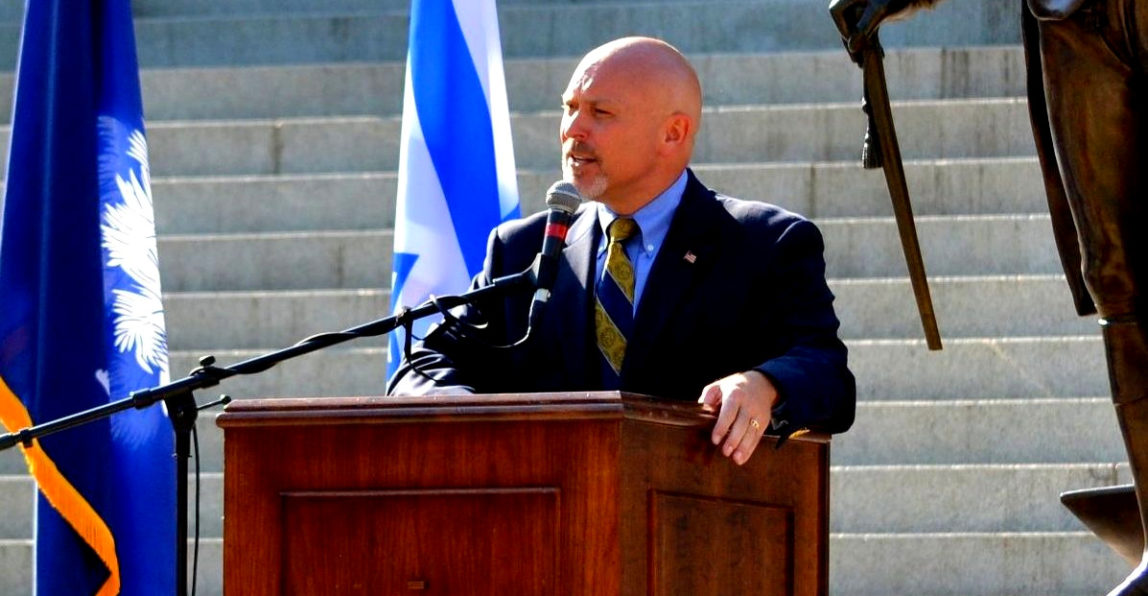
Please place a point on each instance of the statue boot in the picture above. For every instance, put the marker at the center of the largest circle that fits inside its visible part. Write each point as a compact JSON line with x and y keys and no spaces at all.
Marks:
{"x":1126,"y":345}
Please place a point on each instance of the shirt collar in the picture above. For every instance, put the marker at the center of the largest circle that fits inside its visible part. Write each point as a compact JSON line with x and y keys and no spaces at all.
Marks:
{"x":653,"y":218}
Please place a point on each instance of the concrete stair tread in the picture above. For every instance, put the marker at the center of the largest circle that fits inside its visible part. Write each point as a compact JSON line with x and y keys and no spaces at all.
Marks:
{"x":966,"y":307}
{"x":244,"y":236}
{"x":250,"y":319}
{"x":901,"y":432}
{"x":276,"y":260}
{"x":533,"y":83}
{"x":923,"y":499}
{"x":344,"y":370}
{"x":967,"y":128}
{"x":365,"y":200}
{"x":861,"y":565}
{"x":1006,"y":368}
{"x":973,"y":564}
{"x":997,"y":431}
{"x":1010,"y":367}
{"x":1061,"y":430}
{"x":195,"y":7}
{"x":376,"y":88}
{"x":1012,"y":498}
{"x":864,"y":247}
{"x":550,"y":29}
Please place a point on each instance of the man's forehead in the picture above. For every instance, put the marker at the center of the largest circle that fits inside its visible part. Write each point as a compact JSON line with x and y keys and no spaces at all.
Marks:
{"x":597,"y":82}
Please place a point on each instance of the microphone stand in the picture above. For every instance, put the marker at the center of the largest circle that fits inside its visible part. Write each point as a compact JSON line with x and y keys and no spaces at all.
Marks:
{"x":182,"y":408}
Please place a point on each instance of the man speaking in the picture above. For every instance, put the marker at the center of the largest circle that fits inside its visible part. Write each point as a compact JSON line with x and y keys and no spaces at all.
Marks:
{"x":664,"y":287}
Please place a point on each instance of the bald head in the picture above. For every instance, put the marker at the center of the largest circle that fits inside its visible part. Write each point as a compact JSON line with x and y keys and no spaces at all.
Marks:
{"x":658,"y":68}
{"x":632,"y":111}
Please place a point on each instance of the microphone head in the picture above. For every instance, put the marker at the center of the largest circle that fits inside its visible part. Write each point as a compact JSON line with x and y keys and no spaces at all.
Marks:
{"x":563,"y":196}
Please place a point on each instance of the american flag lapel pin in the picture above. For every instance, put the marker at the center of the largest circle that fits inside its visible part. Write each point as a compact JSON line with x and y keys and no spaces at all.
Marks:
{"x":690,"y":257}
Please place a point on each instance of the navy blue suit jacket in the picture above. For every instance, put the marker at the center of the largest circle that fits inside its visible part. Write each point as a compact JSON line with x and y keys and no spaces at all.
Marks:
{"x":750,"y":295}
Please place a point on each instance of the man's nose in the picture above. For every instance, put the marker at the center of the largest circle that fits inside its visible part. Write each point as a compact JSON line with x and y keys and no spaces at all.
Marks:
{"x":573,"y":127}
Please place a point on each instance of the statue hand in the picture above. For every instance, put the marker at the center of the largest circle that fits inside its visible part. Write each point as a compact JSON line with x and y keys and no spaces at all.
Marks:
{"x":857,"y":20}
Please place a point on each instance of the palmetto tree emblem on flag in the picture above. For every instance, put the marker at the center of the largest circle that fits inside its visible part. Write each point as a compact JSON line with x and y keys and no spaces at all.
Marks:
{"x":127,"y":228}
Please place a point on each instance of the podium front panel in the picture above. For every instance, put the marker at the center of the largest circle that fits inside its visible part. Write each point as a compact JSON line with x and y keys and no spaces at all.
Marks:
{"x":385,"y":496}
{"x":694,"y":522}
{"x":750,"y":546}
{"x":481,"y":541}
{"x":588,"y":493}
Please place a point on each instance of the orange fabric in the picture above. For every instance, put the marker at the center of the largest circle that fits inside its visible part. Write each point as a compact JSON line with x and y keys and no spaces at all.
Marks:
{"x":61,"y":494}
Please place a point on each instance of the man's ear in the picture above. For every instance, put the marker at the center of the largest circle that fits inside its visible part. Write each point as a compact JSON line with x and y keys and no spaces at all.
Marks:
{"x":677,"y":130}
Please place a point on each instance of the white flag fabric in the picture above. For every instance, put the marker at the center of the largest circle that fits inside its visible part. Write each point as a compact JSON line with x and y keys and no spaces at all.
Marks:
{"x":456,"y":161}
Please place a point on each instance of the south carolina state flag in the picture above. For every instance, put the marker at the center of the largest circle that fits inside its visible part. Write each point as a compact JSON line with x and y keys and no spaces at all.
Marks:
{"x":456,"y":162}
{"x":82,"y":321}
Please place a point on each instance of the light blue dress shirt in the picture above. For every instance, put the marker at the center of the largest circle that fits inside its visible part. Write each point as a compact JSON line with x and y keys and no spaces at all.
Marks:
{"x":653,"y":221}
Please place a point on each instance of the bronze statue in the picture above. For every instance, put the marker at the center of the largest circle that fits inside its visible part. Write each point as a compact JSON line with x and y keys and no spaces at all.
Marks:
{"x":1087,"y":66}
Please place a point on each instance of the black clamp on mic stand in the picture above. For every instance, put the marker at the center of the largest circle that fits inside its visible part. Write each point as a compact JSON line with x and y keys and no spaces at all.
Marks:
{"x":178,"y":396}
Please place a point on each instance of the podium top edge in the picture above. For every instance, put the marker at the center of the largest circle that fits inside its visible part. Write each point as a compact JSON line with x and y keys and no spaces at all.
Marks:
{"x":383,"y":409}
{"x":561,"y":406}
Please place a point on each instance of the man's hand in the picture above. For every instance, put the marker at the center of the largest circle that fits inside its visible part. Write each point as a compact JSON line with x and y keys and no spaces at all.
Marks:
{"x":743,"y":402}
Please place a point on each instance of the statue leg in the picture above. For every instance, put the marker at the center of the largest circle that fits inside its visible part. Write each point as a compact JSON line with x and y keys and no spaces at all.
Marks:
{"x":1095,"y":85}
{"x":1126,"y":344}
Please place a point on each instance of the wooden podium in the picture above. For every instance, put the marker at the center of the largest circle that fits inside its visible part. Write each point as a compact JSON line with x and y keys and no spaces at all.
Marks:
{"x":576,"y":493}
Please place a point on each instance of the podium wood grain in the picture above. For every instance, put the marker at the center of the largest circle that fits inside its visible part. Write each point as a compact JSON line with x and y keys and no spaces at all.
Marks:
{"x":587,"y":493}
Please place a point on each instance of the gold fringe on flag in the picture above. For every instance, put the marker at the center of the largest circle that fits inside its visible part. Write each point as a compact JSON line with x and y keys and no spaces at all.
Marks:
{"x":64,"y":497}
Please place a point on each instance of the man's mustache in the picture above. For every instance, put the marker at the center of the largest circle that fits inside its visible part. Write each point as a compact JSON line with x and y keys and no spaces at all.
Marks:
{"x":580,"y":150}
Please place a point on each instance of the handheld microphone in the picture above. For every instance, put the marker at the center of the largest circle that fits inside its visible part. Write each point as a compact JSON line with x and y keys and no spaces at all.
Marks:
{"x":562,"y":199}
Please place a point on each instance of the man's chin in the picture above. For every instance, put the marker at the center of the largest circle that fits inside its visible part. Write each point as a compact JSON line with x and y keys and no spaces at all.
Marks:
{"x":590,"y":187}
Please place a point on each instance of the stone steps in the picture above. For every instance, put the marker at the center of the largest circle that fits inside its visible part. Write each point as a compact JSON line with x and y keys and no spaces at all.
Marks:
{"x":154,"y":8}
{"x":276,"y":261}
{"x":268,"y":320}
{"x":334,"y":372}
{"x":199,"y":37}
{"x":729,"y":134}
{"x":1049,"y":431}
{"x":938,"y":129}
{"x":1062,"y":563}
{"x":998,"y":367}
{"x":889,"y":370}
{"x":1012,"y":498}
{"x":1060,"y":430}
{"x":533,"y":84}
{"x":966,"y":307}
{"x":855,"y":248}
{"x":972,"y":564}
{"x":365,"y":200}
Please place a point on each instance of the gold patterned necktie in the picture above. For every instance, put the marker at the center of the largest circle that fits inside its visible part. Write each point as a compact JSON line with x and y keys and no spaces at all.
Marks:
{"x":614,"y":307}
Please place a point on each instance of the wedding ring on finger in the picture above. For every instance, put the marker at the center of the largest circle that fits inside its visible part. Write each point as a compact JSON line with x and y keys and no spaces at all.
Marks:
{"x":754,"y":424}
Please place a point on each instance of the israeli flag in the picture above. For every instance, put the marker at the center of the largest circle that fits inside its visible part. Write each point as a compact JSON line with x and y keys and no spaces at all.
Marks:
{"x":456,"y":162}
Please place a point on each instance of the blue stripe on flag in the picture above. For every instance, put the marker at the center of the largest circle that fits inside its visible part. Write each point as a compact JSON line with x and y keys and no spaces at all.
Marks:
{"x":456,"y":124}
{"x":455,"y":146}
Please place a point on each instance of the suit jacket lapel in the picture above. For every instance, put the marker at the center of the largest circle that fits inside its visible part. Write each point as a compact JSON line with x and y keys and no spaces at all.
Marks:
{"x":573,"y":288}
{"x":685,"y":253}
